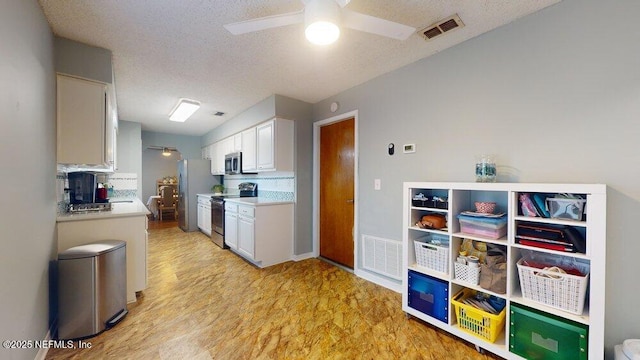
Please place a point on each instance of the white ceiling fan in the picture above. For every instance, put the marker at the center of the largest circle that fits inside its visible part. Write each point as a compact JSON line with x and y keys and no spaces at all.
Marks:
{"x":322,"y":19}
{"x":166,"y":151}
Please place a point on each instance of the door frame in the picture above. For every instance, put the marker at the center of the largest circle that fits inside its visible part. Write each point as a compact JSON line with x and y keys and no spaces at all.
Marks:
{"x":316,"y":181}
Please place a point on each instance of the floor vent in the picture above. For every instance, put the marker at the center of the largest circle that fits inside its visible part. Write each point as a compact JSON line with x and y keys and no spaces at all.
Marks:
{"x":382,"y":256}
{"x":441,"y":27}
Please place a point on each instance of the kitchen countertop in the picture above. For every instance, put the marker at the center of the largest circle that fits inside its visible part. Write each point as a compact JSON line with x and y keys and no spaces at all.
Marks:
{"x":119,"y":208}
{"x":258,"y":201}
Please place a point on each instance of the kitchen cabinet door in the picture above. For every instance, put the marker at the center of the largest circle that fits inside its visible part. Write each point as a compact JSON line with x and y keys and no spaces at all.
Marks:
{"x":83,"y":122}
{"x":265,"y":145}
{"x":249,"y":150}
{"x":206,"y":219}
{"x":231,"y":230}
{"x":246,"y":236}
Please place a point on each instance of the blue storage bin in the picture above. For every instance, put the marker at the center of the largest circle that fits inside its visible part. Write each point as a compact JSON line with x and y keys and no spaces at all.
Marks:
{"x":429,"y":295}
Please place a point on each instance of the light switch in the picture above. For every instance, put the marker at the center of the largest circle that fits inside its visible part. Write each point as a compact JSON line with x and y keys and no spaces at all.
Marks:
{"x":376,"y":184}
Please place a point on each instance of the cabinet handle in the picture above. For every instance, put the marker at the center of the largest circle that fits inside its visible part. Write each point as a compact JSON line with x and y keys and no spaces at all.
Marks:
{"x":350,"y":201}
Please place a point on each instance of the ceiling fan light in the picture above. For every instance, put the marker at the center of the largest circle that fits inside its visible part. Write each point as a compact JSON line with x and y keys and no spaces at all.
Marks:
{"x":322,"y":20}
{"x":183,"y":110}
{"x":322,"y":33}
{"x":166,"y":152}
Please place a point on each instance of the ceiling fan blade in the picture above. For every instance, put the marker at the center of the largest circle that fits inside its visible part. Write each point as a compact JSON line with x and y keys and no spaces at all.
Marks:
{"x":266,"y":22}
{"x":357,"y":21}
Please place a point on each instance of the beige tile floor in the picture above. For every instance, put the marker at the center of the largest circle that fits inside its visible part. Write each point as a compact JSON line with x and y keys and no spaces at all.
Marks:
{"x":203,"y":302}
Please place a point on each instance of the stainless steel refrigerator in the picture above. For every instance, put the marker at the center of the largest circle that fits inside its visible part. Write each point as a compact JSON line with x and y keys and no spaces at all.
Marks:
{"x":194,"y":177}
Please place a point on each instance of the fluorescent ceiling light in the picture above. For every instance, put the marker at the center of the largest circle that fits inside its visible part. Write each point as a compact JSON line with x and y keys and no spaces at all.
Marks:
{"x":183,"y":110}
{"x":321,"y":19}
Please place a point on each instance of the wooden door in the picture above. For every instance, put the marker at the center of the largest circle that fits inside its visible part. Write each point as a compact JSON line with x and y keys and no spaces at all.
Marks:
{"x":337,"y":159}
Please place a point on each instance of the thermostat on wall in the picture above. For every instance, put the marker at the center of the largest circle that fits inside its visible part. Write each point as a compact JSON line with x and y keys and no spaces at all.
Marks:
{"x":409,"y":148}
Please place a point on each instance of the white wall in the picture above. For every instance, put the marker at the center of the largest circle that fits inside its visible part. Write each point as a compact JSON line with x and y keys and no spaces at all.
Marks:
{"x":27,"y":156}
{"x":556,"y":95}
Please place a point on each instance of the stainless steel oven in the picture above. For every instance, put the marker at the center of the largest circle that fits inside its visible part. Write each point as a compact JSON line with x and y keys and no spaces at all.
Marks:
{"x":217,"y":221}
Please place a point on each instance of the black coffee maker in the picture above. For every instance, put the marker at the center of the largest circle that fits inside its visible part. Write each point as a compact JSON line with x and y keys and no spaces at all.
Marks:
{"x":82,"y":187}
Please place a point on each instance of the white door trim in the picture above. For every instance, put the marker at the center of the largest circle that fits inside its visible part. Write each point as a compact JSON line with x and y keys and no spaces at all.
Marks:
{"x":316,"y":181}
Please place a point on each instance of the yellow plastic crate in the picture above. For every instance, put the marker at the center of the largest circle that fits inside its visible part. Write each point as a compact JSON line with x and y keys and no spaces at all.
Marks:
{"x":477,"y":322}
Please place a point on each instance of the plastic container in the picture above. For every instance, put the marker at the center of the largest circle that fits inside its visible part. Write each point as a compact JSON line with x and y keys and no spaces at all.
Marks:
{"x":429,"y":295}
{"x":477,"y":322}
{"x":564,"y":208}
{"x":466,"y":273}
{"x":431,"y":256}
{"x":490,"y":227}
{"x":538,"y":335}
{"x":561,"y":291}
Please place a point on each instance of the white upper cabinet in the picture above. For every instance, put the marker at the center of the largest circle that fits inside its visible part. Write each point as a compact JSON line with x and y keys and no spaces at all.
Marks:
{"x":274,"y":145}
{"x":237,"y":142}
{"x":249,"y":150}
{"x":86,"y":129}
{"x":265,"y":147}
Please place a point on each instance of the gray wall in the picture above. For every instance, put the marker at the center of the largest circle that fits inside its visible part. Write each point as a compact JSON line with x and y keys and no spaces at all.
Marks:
{"x":556,"y":95}
{"x":301,"y":113}
{"x":28,"y":158}
{"x":83,"y":60}
{"x":155,"y":166}
{"x":262,"y":111}
{"x":129,"y":150}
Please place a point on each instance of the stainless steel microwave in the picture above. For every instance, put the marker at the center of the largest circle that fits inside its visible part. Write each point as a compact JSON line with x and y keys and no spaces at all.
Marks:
{"x":233,"y":163}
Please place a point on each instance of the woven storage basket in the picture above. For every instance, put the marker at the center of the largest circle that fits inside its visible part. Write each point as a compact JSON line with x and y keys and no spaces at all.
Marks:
{"x":561,"y":291}
{"x":467,"y":273}
{"x":432,"y":256}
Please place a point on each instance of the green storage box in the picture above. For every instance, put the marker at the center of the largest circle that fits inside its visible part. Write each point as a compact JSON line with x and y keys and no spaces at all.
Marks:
{"x":537,"y":335}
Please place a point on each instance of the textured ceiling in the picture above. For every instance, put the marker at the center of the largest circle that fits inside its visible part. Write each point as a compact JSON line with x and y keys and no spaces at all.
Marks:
{"x":164,"y":50}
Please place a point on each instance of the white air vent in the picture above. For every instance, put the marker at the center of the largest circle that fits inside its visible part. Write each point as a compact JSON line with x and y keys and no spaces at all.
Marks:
{"x":441,"y":27}
{"x":382,"y":256}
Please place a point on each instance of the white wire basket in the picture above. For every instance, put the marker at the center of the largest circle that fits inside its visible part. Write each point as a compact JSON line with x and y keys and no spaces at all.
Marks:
{"x":557,"y":290}
{"x":467,"y":273}
{"x":432,"y":256}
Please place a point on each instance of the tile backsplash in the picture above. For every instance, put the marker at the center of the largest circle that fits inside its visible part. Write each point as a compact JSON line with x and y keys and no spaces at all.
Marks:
{"x":276,"y":186}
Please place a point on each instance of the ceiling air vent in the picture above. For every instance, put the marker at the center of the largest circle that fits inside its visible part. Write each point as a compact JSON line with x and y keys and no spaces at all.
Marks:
{"x":441,"y":27}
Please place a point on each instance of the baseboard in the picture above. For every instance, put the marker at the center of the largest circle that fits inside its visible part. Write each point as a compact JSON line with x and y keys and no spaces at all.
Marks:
{"x":301,"y":257}
{"x":42,"y":353}
{"x":379,"y":280}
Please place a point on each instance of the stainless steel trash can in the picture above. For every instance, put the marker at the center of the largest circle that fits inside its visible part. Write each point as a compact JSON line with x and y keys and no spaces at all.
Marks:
{"x":92,"y":288}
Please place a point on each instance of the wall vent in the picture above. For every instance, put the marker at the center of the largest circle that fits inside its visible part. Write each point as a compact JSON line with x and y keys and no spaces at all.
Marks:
{"x":382,"y":256}
{"x":441,"y":27}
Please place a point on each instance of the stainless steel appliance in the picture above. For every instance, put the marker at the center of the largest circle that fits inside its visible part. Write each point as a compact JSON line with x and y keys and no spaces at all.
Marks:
{"x":92,"y":288}
{"x":194,"y":177}
{"x":233,"y":163}
{"x":82,"y":187}
{"x":217,"y":221}
{"x":245,"y":189}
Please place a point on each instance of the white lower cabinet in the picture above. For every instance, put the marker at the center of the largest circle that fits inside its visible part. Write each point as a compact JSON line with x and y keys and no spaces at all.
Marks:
{"x":231,"y":225}
{"x":246,"y":236}
{"x":547,"y":272}
{"x":204,"y":214}
{"x":261,"y":233}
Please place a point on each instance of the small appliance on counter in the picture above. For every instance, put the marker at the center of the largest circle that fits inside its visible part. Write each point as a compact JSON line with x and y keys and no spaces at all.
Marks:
{"x":248,"y":189}
{"x":85,"y":194}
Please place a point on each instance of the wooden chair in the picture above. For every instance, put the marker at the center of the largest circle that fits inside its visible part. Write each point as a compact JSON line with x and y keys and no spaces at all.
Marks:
{"x":167,"y":201}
